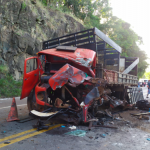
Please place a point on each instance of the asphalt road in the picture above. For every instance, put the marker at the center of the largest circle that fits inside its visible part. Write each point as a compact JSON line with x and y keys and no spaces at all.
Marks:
{"x":15,"y":135}
{"x":6,"y":102}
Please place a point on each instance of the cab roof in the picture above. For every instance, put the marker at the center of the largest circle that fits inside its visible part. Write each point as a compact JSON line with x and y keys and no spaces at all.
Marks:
{"x":76,"y":55}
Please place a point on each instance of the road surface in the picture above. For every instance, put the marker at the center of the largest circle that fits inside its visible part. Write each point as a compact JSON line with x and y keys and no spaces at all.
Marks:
{"x":16,"y":136}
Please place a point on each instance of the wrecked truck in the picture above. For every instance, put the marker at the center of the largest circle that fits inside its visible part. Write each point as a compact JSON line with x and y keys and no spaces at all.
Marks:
{"x":78,"y":73}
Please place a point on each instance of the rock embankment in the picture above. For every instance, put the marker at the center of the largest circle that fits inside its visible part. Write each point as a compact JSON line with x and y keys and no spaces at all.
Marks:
{"x":24,"y":24}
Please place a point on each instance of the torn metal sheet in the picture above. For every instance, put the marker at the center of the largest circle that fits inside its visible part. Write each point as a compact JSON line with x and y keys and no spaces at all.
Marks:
{"x":84,"y":61}
{"x":72,"y":118}
{"x":59,"y":104}
{"x":99,"y":82}
{"x":116,"y":103}
{"x":85,"y":57}
{"x":94,"y":93}
{"x":68,"y":74}
{"x":77,"y":102}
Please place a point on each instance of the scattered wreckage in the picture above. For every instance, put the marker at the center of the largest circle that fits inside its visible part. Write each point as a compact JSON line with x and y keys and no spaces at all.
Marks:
{"x":70,"y":79}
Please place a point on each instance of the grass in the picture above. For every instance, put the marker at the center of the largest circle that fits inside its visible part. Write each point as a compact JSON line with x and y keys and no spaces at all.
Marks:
{"x":42,"y":36}
{"x":3,"y":69}
{"x":8,"y":86}
{"x":24,"y":5}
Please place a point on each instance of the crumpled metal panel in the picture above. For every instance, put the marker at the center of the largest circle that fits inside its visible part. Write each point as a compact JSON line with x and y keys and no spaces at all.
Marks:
{"x":84,"y":57}
{"x":69,"y":118}
{"x":94,"y":93}
{"x":68,"y":74}
{"x":84,"y":62}
{"x":116,"y":103}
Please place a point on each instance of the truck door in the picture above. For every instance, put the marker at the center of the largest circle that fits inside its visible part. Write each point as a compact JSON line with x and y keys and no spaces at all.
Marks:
{"x":31,"y":75}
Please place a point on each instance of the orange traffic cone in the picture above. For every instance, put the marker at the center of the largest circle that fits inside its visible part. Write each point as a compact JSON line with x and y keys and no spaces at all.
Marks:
{"x":13,"y":113}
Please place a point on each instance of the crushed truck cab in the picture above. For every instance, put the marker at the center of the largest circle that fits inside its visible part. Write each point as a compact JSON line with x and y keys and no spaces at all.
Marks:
{"x":58,"y":78}
{"x":75,"y":75}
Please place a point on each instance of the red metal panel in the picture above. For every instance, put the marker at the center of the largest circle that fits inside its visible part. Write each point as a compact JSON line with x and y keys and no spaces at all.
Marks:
{"x":30,"y":79}
{"x":81,"y":56}
{"x":83,"y":59}
{"x":67,"y":72}
{"x":37,"y":90}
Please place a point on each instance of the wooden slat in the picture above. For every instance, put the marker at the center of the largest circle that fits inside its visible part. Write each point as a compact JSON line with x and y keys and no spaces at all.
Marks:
{"x":78,"y":37}
{"x":111,"y":56}
{"x":91,"y":46}
{"x":112,"y":51}
{"x":110,"y":62}
{"x":102,"y":46}
{"x":89,"y":30}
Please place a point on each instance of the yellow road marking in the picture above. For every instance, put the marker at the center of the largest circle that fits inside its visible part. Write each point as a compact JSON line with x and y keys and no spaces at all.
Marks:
{"x":29,"y":135}
{"x":18,"y":134}
{"x":15,"y":135}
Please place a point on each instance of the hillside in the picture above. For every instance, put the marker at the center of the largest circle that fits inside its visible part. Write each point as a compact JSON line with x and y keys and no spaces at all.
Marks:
{"x":23,"y":27}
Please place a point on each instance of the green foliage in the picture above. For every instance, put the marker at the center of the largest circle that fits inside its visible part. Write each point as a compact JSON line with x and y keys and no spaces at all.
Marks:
{"x":23,"y":5}
{"x":8,"y":86}
{"x":127,"y":39}
{"x":98,"y":14}
{"x":44,"y":2}
{"x":147,"y":75}
{"x":3,"y":69}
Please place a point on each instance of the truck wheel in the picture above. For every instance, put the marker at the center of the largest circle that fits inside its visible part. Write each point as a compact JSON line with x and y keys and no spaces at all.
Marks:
{"x":31,"y":102}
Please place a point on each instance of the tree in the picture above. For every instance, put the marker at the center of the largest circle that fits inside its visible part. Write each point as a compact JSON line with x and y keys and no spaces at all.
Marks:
{"x":127,"y":39}
{"x":98,"y":13}
{"x":147,"y":75}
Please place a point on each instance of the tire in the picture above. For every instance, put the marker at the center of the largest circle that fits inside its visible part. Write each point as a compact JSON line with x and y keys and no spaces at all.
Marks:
{"x":31,"y":102}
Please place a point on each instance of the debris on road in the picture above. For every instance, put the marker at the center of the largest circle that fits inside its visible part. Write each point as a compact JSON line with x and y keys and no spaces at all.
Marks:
{"x":139,"y":114}
{"x":80,"y":133}
{"x":40,"y":125}
{"x":105,"y":126}
{"x":72,"y":127}
{"x":6,"y":142}
{"x":103,"y":135}
{"x":144,"y":117}
{"x":143,"y":104}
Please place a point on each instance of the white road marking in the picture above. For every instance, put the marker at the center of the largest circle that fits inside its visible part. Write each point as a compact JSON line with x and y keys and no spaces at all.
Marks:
{"x":10,"y":106}
{"x":4,"y":99}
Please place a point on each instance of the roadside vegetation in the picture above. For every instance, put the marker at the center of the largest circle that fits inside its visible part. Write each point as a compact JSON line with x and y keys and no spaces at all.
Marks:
{"x":98,"y":13}
{"x":8,"y":86}
{"x":146,"y":75}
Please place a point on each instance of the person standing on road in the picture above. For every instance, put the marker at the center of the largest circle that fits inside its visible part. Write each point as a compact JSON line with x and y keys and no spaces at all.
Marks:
{"x":142,"y":84}
{"x":138,"y":84}
{"x":148,"y":85}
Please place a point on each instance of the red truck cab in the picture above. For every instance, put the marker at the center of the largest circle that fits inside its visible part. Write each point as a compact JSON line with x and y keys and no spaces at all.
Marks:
{"x":47,"y":73}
